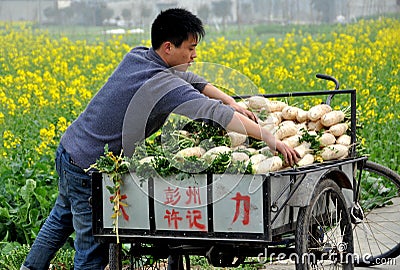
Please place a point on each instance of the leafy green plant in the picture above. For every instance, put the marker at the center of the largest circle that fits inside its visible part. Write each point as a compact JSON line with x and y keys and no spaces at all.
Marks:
{"x":14,"y":254}
{"x":115,"y":166}
{"x":376,"y":191}
{"x":162,"y":149}
{"x":26,"y":196}
{"x":64,"y":260}
{"x":312,"y":139}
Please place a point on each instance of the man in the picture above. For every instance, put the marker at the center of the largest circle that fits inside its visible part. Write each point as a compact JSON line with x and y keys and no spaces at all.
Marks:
{"x":133,"y":104}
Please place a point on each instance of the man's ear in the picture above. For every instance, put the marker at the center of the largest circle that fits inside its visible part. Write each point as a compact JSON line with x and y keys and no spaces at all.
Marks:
{"x":166,"y":47}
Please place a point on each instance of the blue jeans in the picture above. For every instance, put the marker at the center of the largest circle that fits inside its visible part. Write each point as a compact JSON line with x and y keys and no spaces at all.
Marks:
{"x":71,"y":212}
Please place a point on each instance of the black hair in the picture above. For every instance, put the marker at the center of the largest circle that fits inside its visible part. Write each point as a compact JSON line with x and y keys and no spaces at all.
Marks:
{"x":175,"y":25}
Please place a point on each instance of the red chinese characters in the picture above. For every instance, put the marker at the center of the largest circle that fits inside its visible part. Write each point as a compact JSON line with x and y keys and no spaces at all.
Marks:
{"x":172,"y":196}
{"x":193,"y":217}
{"x":193,"y":193}
{"x":184,"y":210}
{"x":246,"y":208}
{"x":173,"y":218}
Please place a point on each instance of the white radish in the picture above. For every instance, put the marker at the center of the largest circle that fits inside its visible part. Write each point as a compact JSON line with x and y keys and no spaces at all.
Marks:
{"x":303,"y":149}
{"x":272,"y":119}
{"x":338,"y":129}
{"x":302,"y":115}
{"x":275,"y":105}
{"x":308,"y":159}
{"x":285,"y":130}
{"x":269,"y":127}
{"x":211,"y":154}
{"x":289,"y":113}
{"x":309,"y":132}
{"x":266,"y":151}
{"x":250,"y":150}
{"x":292,"y":141}
{"x":301,"y":127}
{"x":288,"y":122}
{"x":236,"y":138}
{"x":239,"y":156}
{"x":344,"y":139}
{"x":148,"y":159}
{"x":189,"y":152}
{"x":269,"y":123}
{"x":257,"y":102}
{"x":240,"y":147}
{"x":271,"y":164}
{"x":332,"y":118}
{"x":314,"y":125}
{"x":278,"y":115}
{"x":243,"y":104}
{"x":316,"y":112}
{"x":257,"y":158}
{"x":327,"y":139}
{"x":334,"y":151}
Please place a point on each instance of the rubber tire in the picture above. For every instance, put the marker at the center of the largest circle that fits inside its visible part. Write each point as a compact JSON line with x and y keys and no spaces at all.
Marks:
{"x":324,"y":187}
{"x":391,"y":252}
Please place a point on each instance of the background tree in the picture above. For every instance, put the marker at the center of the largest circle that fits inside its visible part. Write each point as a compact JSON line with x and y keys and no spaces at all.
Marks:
{"x":102,"y":12}
{"x":222,"y":9}
{"x":145,"y":12}
{"x":326,"y":8}
{"x":244,"y":10}
{"x":203,"y":12}
{"x":126,"y":14}
{"x":51,"y":13}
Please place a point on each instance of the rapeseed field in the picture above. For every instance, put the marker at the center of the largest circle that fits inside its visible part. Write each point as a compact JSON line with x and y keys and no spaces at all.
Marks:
{"x":45,"y":82}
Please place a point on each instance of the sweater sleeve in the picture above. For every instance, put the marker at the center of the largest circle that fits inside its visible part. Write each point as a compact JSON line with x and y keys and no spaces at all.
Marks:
{"x":195,"y":80}
{"x":162,"y":95}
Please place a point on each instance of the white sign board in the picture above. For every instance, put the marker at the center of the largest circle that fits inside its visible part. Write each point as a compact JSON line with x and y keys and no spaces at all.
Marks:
{"x":235,"y":203}
{"x":137,"y":201}
{"x":181,"y":205}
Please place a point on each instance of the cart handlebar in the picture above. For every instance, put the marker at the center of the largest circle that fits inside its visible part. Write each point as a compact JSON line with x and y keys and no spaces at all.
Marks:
{"x":329,"y":78}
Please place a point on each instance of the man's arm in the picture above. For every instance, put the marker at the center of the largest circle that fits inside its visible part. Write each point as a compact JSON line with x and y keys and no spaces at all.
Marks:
{"x":213,"y":92}
{"x":242,"y":124}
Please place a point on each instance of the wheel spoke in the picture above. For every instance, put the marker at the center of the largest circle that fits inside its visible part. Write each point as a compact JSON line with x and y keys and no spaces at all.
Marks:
{"x":325,"y":225}
{"x":378,"y":234}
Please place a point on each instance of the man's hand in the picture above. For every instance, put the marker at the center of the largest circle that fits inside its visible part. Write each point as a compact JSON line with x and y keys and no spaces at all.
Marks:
{"x":244,"y":111}
{"x":213,"y":92}
{"x":290,"y":155}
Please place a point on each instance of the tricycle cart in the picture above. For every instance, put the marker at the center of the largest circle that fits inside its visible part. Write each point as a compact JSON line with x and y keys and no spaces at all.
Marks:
{"x":314,"y":215}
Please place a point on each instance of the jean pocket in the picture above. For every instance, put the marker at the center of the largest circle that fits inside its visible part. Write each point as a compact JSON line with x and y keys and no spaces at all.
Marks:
{"x":79,"y":190}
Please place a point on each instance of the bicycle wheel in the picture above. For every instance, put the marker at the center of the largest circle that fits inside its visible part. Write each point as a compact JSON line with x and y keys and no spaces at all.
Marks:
{"x":324,"y":237}
{"x":377,"y":227}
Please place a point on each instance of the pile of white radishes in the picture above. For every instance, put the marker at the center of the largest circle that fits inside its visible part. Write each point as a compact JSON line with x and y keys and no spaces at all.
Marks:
{"x":318,"y":134}
{"x":292,"y":124}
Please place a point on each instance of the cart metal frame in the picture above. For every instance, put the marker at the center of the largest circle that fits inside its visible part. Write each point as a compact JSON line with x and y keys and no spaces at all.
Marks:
{"x":294,"y":194}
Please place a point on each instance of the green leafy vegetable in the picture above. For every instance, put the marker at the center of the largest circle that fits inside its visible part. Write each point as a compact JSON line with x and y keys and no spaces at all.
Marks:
{"x":115,"y":167}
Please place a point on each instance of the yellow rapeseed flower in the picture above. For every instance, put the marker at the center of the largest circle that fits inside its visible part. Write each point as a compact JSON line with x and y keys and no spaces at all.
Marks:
{"x":62,"y":124}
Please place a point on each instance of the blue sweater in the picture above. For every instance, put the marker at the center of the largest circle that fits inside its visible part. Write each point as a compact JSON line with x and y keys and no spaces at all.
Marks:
{"x":134,"y":103}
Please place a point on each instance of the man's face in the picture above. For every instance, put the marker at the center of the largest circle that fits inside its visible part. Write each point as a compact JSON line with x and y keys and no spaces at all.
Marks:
{"x":181,"y":57}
